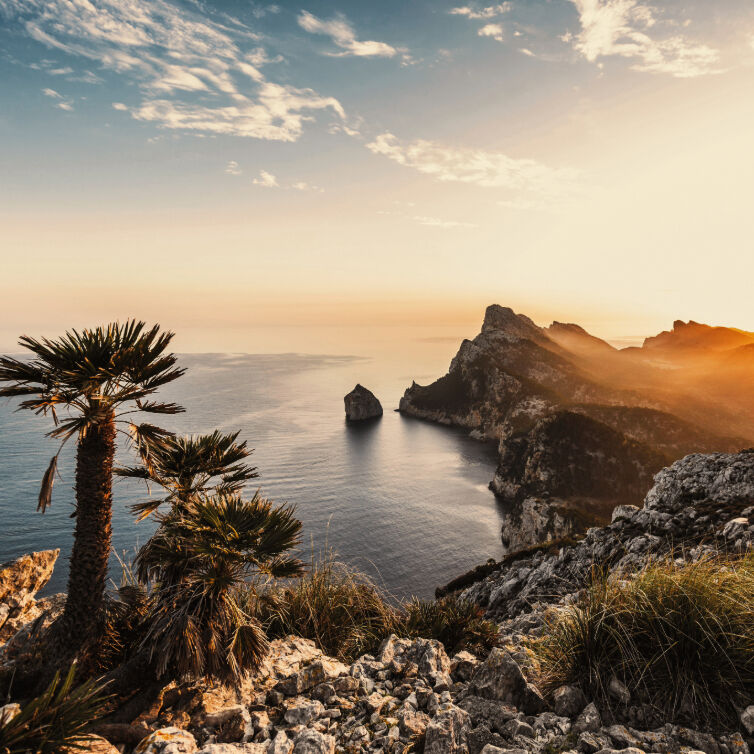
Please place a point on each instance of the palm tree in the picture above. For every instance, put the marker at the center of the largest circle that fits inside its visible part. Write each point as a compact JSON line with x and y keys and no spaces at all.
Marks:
{"x":205,"y":562}
{"x":96,"y":377}
{"x":189,"y":466}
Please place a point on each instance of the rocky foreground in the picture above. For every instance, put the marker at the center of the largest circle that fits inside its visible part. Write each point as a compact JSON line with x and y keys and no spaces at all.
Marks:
{"x":412,"y":697}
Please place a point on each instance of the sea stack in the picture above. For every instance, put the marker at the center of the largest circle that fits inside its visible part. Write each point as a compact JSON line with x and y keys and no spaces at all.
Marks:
{"x":361,"y":404}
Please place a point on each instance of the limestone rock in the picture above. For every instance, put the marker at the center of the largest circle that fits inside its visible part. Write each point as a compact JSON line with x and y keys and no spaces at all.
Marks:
{"x":568,"y":701}
{"x":20,"y":580}
{"x":167,"y":741}
{"x":313,"y":742}
{"x":447,"y":732}
{"x":362,"y":404}
{"x":500,"y":677}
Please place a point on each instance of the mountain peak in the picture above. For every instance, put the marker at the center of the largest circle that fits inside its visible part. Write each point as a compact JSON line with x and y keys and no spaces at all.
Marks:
{"x":503,"y":318}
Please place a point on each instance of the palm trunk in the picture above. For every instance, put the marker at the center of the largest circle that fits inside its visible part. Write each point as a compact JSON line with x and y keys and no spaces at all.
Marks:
{"x":79,"y":624}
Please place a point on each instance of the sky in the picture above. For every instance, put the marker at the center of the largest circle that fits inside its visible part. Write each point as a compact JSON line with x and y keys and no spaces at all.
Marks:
{"x":305,"y":176}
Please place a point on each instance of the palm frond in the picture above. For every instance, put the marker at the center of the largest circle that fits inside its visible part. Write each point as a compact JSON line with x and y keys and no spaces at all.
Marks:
{"x":59,"y":718}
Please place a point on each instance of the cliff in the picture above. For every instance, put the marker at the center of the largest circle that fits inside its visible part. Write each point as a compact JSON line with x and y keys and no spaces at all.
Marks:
{"x":580,"y":426}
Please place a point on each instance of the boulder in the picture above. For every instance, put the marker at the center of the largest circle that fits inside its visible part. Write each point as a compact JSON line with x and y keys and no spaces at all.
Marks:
{"x":20,"y":580}
{"x":500,"y":678}
{"x":361,"y":404}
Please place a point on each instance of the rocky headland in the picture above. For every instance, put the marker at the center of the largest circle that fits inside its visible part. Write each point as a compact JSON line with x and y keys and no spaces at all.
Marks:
{"x":411,"y":696}
{"x":582,"y":427}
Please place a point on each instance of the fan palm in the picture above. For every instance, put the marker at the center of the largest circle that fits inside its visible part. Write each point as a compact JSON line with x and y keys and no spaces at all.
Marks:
{"x":206,"y":562}
{"x":88,"y":382}
{"x":188,"y":466}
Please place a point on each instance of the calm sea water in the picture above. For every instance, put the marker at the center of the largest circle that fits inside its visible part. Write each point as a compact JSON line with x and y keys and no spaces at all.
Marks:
{"x":404,"y":500}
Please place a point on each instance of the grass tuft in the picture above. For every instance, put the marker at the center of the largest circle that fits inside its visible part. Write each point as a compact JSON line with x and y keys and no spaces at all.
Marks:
{"x":346,"y":614}
{"x":679,"y":636}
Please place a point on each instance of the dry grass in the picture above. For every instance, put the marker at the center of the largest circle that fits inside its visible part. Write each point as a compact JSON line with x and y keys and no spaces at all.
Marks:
{"x":681,"y":637}
{"x":347,"y":615}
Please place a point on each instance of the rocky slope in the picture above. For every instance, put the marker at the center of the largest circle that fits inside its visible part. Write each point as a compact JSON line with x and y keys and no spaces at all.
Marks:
{"x":581,"y":427}
{"x":700,"y":505}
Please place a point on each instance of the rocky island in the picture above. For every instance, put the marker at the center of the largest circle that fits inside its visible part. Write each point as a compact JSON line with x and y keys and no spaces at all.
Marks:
{"x":362,"y":404}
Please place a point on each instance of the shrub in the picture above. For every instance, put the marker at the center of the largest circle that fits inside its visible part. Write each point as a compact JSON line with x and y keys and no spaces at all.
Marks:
{"x":59,"y":718}
{"x":681,"y":637}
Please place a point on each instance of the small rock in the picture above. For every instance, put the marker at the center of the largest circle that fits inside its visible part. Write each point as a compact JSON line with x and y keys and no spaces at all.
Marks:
{"x":568,"y":701}
{"x":618,"y":691}
{"x":747,"y":719}
{"x":462,"y":666}
{"x":304,"y":712}
{"x":167,"y":741}
{"x":313,"y":742}
{"x":281,"y":744}
{"x":588,"y":721}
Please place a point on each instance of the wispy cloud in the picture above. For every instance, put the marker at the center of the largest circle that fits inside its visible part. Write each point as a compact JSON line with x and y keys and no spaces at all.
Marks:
{"x":478,"y":13}
{"x":64,"y":103}
{"x":492,"y":30}
{"x":260,"y":11}
{"x":194,"y":73}
{"x":436,"y":222}
{"x":343,"y":35}
{"x":476,"y":166}
{"x":266,"y":179}
{"x":630,"y":29}
{"x":232,"y":168}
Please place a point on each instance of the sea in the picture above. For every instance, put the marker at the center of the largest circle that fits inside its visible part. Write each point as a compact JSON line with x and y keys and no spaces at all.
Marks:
{"x":403,"y":500}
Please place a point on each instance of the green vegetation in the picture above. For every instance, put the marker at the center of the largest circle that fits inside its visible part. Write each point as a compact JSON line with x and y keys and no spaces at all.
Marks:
{"x":59,"y":719}
{"x":347,"y":615}
{"x":87,"y":381}
{"x":680,"y":637}
{"x":189,"y":466}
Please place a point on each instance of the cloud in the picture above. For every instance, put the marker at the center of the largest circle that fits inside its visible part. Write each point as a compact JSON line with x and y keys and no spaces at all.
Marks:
{"x":622,"y":28}
{"x":481,"y":13}
{"x":436,"y":222}
{"x":492,"y":30}
{"x":194,"y":73}
{"x":260,"y":11}
{"x":477,"y":167}
{"x":266,"y":179}
{"x":64,"y":103}
{"x":232,"y":168}
{"x":342,"y":34}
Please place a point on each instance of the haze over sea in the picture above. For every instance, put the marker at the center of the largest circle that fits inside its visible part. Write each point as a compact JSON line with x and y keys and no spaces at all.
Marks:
{"x":404,"y":500}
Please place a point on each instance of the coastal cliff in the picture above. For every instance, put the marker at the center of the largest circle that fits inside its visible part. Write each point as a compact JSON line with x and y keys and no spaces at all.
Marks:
{"x":580,"y":426}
